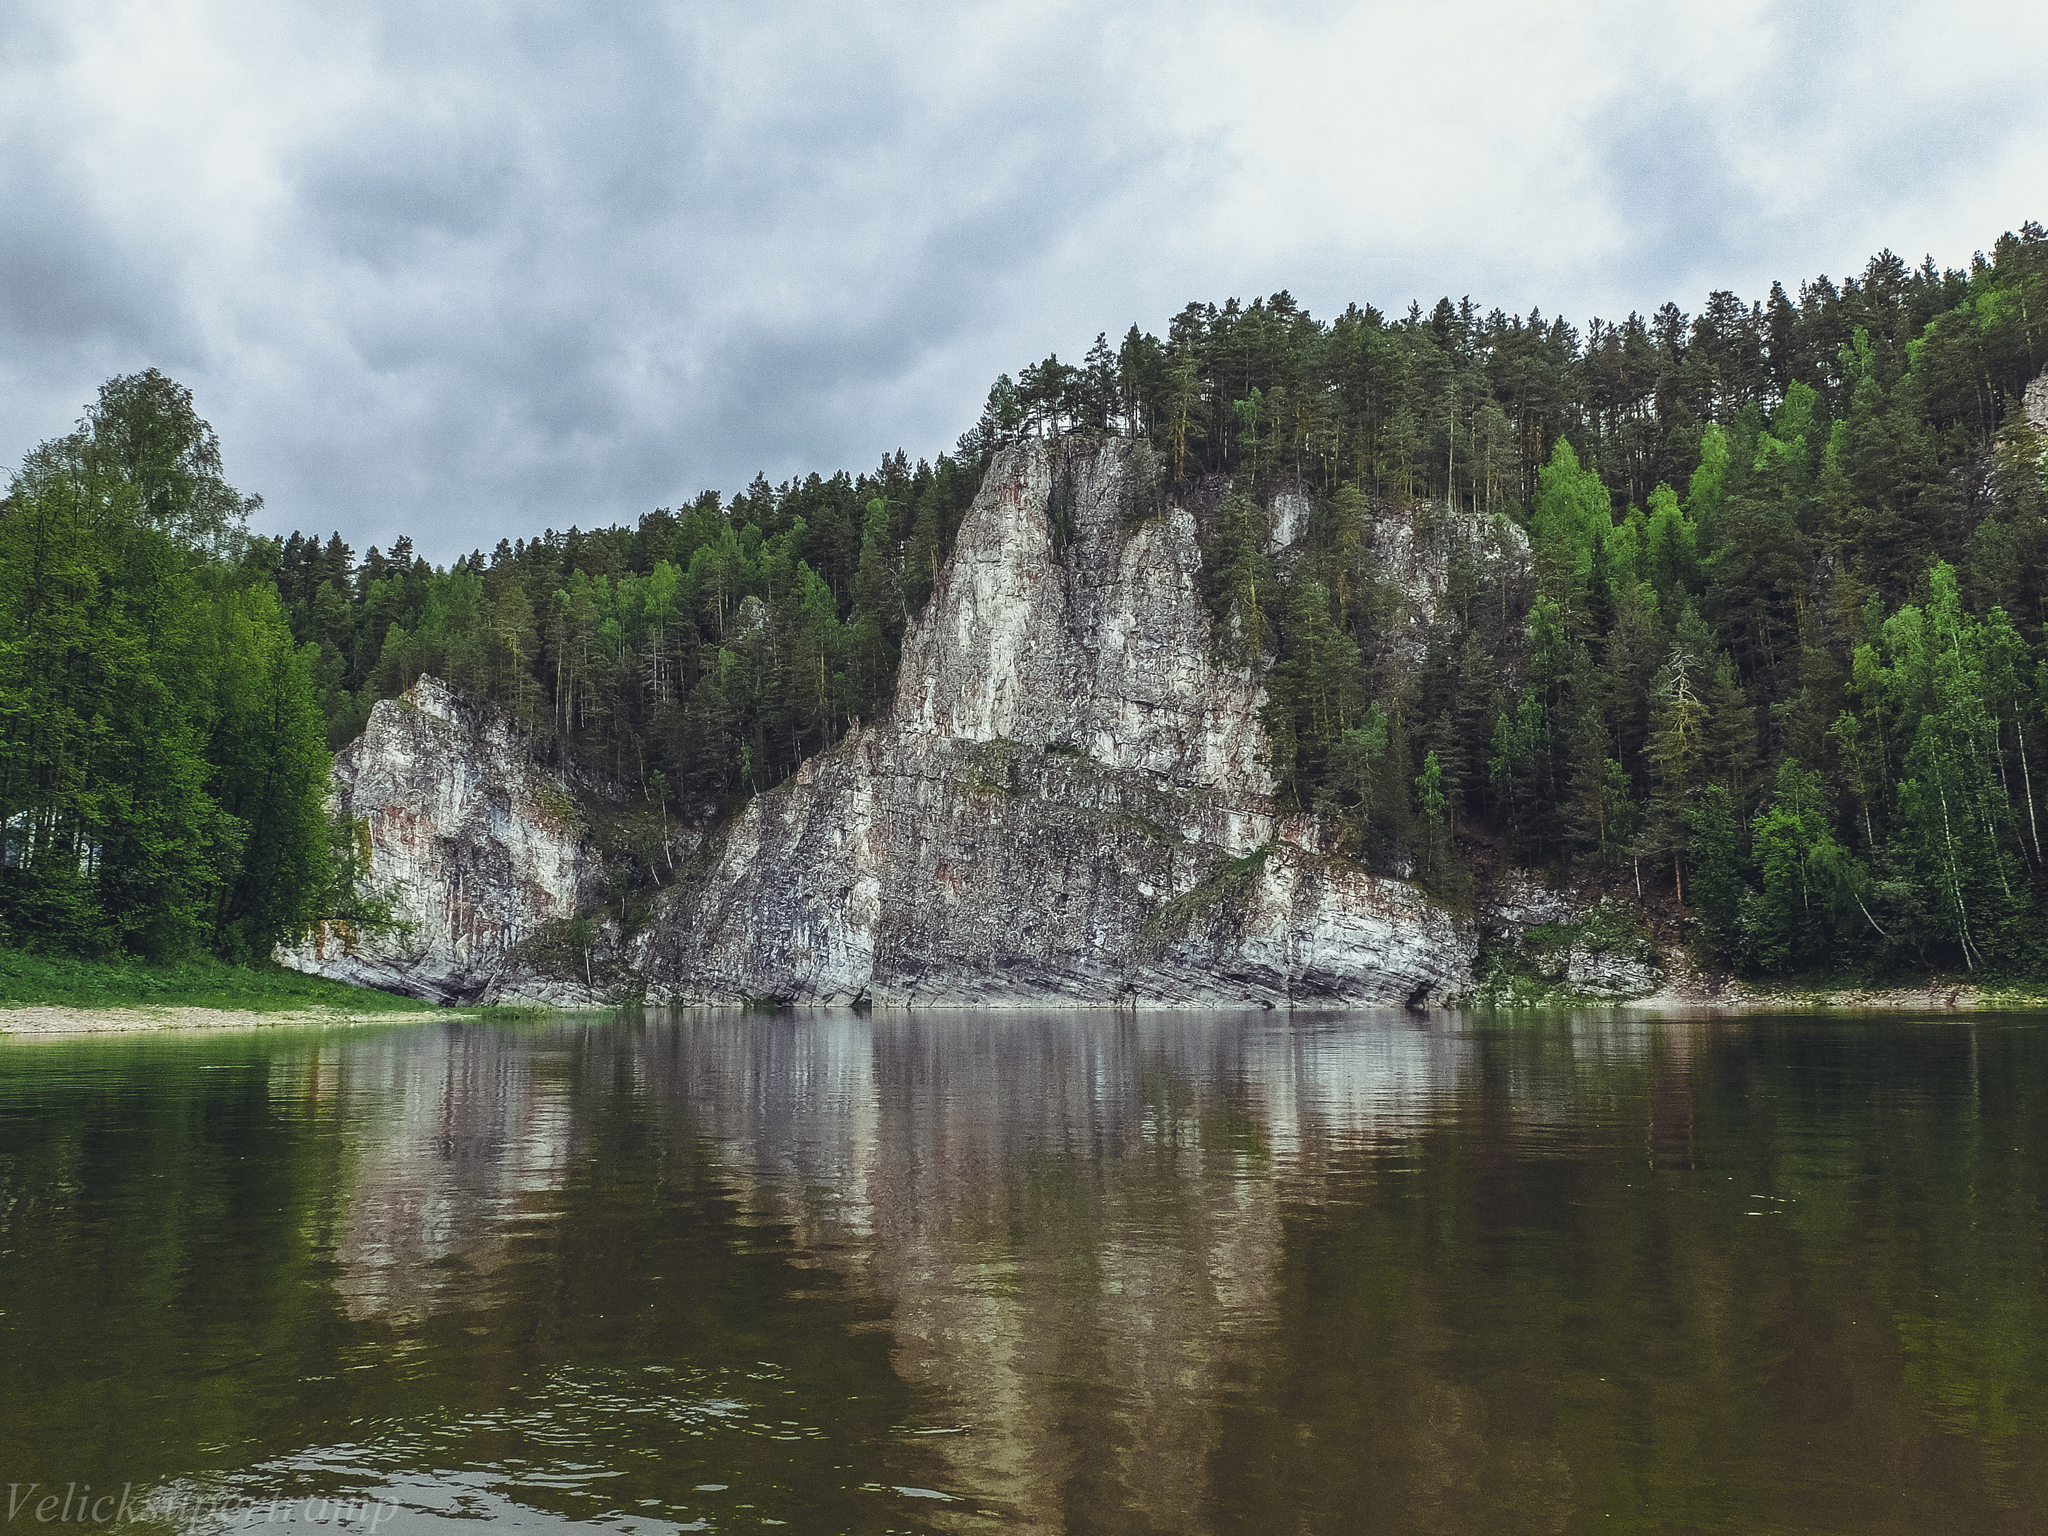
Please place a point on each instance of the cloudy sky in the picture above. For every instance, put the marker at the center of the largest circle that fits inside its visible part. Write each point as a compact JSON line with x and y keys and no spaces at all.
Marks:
{"x":522,"y":265}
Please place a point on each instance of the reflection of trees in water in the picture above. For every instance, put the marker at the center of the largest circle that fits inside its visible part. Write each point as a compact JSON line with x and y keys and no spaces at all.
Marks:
{"x":1169,"y":1272}
{"x":1074,"y":1219}
{"x":554,"y":1269}
{"x":1701,"y":1300}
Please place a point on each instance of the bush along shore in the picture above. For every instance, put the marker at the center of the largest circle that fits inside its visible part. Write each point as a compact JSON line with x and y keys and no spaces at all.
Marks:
{"x":1614,"y":954}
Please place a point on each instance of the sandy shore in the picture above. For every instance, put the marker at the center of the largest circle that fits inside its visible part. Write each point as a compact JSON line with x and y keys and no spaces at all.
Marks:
{"x":53,"y":1021}
{"x":1681,"y":994}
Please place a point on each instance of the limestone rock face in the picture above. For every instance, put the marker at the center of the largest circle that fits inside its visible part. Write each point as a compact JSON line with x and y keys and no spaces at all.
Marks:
{"x":1608,"y":975}
{"x":1560,"y":947}
{"x":2035,"y":402}
{"x":474,"y":847}
{"x":1520,"y":901}
{"x":1423,"y":548}
{"x":1053,"y":622}
{"x":1067,"y":806}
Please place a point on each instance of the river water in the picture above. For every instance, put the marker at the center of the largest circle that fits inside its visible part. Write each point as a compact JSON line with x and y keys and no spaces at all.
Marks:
{"x":1034,"y":1272}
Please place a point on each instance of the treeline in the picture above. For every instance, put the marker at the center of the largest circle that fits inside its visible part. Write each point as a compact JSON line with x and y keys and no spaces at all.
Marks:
{"x":1686,"y":560}
{"x":1747,"y":607}
{"x":1465,"y":407}
{"x":162,"y":762}
{"x":700,"y":654}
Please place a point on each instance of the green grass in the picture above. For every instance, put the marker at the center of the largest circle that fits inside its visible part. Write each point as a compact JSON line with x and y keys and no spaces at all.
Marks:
{"x":1530,"y":971}
{"x":1173,"y":919}
{"x":30,"y":980}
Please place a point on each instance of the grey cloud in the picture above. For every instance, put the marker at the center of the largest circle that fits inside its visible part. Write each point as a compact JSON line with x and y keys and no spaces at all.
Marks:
{"x":392,"y":202}
{"x":560,"y":264}
{"x":71,"y":279}
{"x":680,"y":275}
{"x":1677,"y":170}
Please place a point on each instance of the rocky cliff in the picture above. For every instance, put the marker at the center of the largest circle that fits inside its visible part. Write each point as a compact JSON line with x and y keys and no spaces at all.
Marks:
{"x":474,"y":847}
{"x":1066,"y":806}
{"x":1059,"y":621}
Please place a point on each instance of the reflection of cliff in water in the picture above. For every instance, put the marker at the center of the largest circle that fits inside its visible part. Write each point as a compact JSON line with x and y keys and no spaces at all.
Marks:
{"x":1191,"y":1272}
{"x":1075,"y":1220}
{"x":456,"y":1134}
{"x":1077,"y":1223}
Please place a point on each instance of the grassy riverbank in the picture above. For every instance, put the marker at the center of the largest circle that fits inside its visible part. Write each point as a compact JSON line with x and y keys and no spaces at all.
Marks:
{"x":1615,"y":953}
{"x":1953,"y":991}
{"x":52,"y":981}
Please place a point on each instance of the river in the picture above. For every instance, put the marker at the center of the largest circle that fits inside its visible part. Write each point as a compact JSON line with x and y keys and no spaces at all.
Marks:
{"x":1033,"y":1272}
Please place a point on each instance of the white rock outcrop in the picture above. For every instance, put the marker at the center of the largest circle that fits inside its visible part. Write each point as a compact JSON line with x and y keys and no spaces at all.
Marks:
{"x":1424,"y":546}
{"x":1288,"y":520}
{"x":1068,"y":805}
{"x":474,"y":847}
{"x":1101,"y":644}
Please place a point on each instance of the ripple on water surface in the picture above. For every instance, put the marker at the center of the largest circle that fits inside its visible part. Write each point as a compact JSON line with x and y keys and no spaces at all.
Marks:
{"x":967,"y":1271}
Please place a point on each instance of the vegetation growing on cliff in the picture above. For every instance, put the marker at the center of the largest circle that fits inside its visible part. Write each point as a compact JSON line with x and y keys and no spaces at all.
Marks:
{"x":1605,"y":955}
{"x":701,"y":654}
{"x":1777,"y":649}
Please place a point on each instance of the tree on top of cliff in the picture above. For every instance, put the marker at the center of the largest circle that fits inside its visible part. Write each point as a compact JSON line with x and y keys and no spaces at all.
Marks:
{"x":1761,"y":487}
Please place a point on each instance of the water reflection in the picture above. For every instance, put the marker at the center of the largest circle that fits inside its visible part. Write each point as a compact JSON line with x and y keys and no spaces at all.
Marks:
{"x":468,"y":1126}
{"x":1066,"y":1272}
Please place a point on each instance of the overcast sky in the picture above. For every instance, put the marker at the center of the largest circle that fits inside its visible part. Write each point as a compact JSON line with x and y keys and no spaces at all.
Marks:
{"x":524,"y":265}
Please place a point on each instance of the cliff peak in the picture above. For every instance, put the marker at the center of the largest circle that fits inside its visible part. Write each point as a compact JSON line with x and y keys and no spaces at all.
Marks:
{"x":1062,"y":619}
{"x":1069,"y":804}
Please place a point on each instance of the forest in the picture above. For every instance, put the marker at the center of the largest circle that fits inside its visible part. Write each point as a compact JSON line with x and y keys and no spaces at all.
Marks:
{"x":163,"y":759}
{"x":1776,"y":646}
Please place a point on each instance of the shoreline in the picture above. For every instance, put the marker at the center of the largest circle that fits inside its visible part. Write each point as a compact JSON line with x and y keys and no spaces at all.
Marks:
{"x":1944,"y":997}
{"x":49,"y":1021}
{"x":1687,"y":986}
{"x":1689,"y":997}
